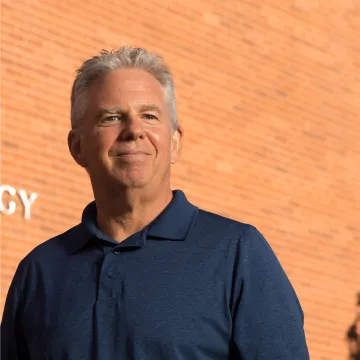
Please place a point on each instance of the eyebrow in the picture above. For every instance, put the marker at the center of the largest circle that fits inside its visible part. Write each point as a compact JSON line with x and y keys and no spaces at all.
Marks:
{"x":106,"y":111}
{"x":119,"y":110}
{"x":148,"y":107}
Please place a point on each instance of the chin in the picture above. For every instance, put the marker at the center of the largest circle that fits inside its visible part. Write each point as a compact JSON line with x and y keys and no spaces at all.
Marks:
{"x":132,"y":180}
{"x":134,"y":184}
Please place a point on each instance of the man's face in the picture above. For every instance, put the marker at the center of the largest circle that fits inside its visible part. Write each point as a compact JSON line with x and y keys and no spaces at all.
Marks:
{"x":126,"y":134}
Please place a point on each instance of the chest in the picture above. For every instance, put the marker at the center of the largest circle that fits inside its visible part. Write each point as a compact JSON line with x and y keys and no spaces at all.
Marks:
{"x":132,"y":302}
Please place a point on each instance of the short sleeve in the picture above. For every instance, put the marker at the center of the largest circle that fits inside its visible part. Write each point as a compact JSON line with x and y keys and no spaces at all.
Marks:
{"x":267,"y":316}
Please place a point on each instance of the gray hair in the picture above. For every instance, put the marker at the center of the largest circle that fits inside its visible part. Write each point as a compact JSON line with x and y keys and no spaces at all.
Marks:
{"x":108,"y":61}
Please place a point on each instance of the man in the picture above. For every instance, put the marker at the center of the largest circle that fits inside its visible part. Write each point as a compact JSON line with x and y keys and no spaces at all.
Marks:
{"x":146,"y":275}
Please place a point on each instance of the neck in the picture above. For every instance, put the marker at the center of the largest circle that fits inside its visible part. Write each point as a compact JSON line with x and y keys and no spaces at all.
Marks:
{"x":129,"y":211}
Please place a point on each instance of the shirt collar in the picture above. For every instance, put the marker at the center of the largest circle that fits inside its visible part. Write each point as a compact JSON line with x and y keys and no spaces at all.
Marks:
{"x":173,"y":223}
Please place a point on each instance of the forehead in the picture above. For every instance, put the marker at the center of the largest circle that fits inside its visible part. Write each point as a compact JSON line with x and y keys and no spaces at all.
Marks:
{"x":126,"y":87}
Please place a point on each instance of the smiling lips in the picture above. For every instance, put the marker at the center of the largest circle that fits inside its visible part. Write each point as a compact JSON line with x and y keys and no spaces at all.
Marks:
{"x":132,"y":155}
{"x":133,"y":152}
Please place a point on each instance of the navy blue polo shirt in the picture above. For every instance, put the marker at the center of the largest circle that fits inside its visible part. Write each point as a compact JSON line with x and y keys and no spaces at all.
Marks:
{"x":192,"y":285}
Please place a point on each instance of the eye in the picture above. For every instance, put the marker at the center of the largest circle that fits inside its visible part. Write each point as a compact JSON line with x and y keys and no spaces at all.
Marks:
{"x":149,"y":117}
{"x":112,"y":118}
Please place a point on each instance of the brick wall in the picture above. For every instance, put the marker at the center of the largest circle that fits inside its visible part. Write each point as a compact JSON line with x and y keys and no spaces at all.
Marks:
{"x":268,"y":95}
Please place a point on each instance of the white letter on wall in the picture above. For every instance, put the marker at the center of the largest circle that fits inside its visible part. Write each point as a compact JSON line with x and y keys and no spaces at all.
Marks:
{"x":12,"y":204}
{"x":27,"y":202}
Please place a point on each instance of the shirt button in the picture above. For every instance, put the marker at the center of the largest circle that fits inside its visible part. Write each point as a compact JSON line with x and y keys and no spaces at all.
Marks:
{"x":117,"y":252}
{"x":111,"y":275}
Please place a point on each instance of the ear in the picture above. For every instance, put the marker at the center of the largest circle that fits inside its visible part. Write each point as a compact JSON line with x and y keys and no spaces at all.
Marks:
{"x":176,"y":144}
{"x":75,"y":144}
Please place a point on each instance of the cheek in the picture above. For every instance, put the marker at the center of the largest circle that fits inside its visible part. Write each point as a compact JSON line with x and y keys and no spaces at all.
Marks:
{"x":161,"y":141}
{"x":100,"y":141}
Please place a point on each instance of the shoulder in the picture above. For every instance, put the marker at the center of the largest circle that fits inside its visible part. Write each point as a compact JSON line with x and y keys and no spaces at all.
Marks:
{"x":214,"y":221}
{"x":218,"y":225}
{"x":247,"y":246}
{"x":236,"y":238}
{"x":50,"y":250}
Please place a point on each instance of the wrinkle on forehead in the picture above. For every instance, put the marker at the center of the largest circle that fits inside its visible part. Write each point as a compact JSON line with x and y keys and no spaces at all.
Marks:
{"x":131,"y":77}
{"x":136,"y":85}
{"x":127,"y":80}
{"x":127,"y":88}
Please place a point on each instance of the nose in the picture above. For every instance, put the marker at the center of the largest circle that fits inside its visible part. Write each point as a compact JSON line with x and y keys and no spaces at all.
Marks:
{"x":132,"y":128}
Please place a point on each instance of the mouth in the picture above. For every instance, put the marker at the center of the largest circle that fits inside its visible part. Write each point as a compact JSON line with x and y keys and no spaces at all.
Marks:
{"x":131,"y":155}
